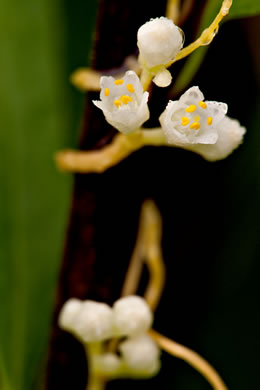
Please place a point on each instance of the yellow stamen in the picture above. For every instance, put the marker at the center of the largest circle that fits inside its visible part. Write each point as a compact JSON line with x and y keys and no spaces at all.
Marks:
{"x":203,"y":105}
{"x":195,"y":126}
{"x":130,"y":88}
{"x":210,"y":120}
{"x":184,"y":121}
{"x":106,"y":91}
{"x":191,"y":108}
{"x":118,"y":82}
{"x":125,"y":99}
{"x":196,"y":118}
{"x":117,"y":103}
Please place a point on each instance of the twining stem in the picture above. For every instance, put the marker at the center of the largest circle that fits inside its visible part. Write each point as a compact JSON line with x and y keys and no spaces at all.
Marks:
{"x":148,"y":250}
{"x":185,"y":11}
{"x":173,"y":10}
{"x":153,"y":259}
{"x":135,"y":267}
{"x":191,"y":358}
{"x":207,"y":35}
{"x":86,"y":79}
{"x":100,"y":160}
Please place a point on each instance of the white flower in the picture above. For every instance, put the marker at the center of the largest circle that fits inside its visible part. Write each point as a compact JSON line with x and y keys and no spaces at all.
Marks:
{"x":132,"y":316}
{"x":159,"y":40}
{"x":141,"y":355}
{"x":201,"y":126}
{"x":123,"y":102}
{"x":68,"y":314}
{"x":190,"y":120}
{"x":230,"y":136}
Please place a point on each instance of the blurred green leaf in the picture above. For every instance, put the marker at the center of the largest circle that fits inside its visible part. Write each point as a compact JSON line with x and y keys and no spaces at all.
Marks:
{"x":36,"y":120}
{"x":244,"y":8}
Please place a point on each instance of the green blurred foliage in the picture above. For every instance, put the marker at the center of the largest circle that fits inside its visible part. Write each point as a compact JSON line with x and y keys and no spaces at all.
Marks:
{"x":37,"y":117}
{"x":244,"y":8}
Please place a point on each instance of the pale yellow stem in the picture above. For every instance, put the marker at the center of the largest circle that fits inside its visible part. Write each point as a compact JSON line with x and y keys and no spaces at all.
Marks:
{"x":86,"y":79}
{"x":191,"y":357}
{"x":154,"y":259}
{"x":95,"y":381}
{"x":148,"y":249}
{"x":207,"y":35}
{"x":100,"y":160}
{"x":135,"y":267}
{"x":146,"y":78}
{"x":173,"y":10}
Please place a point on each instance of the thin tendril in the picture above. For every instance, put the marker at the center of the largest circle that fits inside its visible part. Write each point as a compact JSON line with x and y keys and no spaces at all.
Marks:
{"x":191,"y":357}
{"x":173,"y":10}
{"x":207,"y":35}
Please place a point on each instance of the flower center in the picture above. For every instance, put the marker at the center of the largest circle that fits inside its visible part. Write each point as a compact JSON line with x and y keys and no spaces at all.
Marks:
{"x":125,"y":99}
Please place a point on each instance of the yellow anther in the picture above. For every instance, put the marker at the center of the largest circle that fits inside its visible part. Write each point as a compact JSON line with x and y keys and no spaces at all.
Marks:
{"x":210,"y":120}
{"x":117,"y":103}
{"x":118,"y":82}
{"x":125,"y":99}
{"x":196,"y":118}
{"x":184,"y":121}
{"x":106,"y":91}
{"x":191,"y":108}
{"x":130,"y":88}
{"x":195,"y":126}
{"x":203,"y":105}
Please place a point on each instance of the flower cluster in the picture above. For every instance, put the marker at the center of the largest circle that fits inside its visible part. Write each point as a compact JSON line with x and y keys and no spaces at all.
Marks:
{"x":130,"y":317}
{"x":190,"y":122}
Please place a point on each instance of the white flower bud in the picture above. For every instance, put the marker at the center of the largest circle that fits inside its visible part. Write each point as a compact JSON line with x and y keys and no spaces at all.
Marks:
{"x":69,"y":313}
{"x":141,"y":355}
{"x":159,"y":40}
{"x":132,"y":316}
{"x":162,"y":78}
{"x":107,"y":364}
{"x":94,"y":322}
{"x":230,"y":136}
{"x":123,"y":102}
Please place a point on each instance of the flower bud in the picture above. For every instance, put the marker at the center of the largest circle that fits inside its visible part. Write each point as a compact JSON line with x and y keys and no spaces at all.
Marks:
{"x":107,"y":364}
{"x":159,"y":40}
{"x":132,"y":316}
{"x":94,"y":322}
{"x":141,"y":354}
{"x":69,"y":313}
